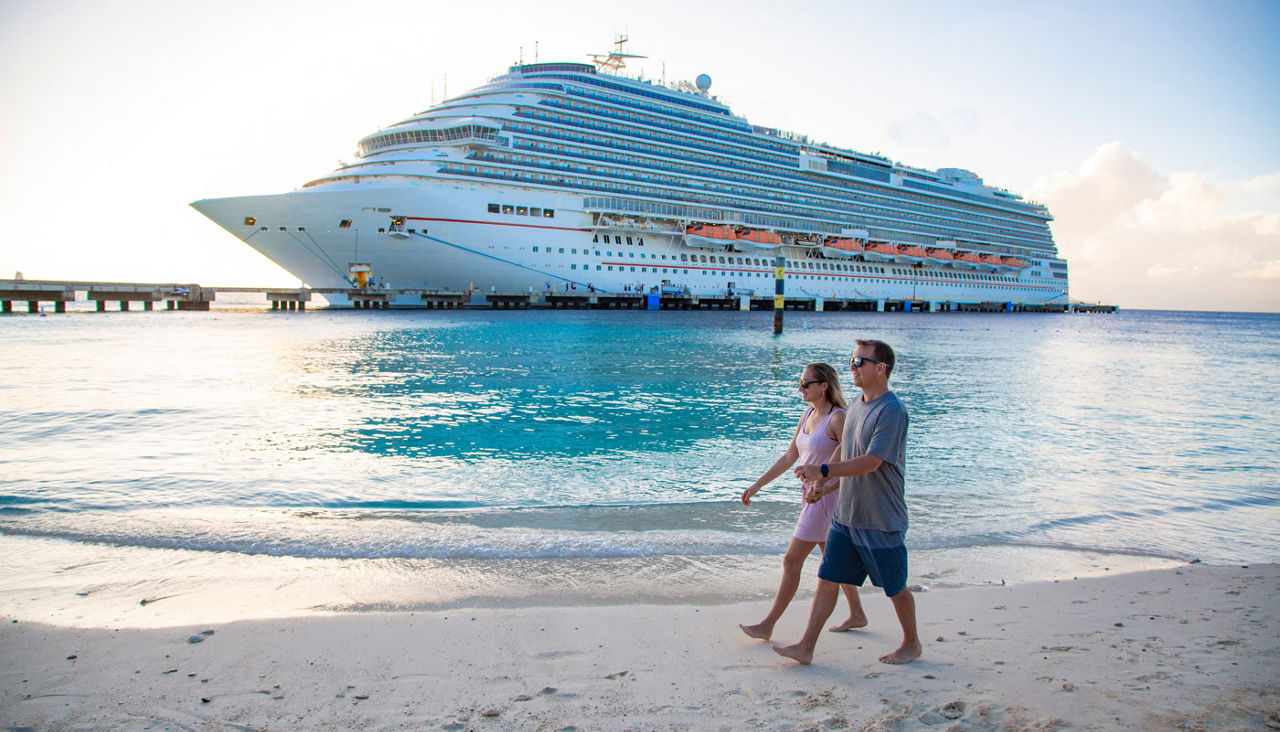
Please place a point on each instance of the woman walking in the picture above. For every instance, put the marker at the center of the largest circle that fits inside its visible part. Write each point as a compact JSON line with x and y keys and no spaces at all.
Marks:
{"x":816,"y":439}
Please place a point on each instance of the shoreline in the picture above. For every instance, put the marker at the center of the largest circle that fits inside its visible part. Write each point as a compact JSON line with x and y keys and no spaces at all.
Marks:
{"x":1186,"y":646}
{"x":74,"y":584}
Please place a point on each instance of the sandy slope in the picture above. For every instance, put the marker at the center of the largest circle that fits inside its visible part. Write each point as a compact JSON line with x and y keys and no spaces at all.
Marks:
{"x":1197,"y":646}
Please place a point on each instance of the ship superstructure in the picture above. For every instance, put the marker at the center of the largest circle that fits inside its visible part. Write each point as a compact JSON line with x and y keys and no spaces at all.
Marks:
{"x":559,"y":175}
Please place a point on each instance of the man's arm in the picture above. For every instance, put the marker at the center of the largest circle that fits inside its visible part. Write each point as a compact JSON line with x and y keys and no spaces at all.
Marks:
{"x":845,"y":468}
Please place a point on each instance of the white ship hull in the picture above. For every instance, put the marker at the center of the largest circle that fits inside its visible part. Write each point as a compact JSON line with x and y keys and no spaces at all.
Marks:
{"x":456,"y":244}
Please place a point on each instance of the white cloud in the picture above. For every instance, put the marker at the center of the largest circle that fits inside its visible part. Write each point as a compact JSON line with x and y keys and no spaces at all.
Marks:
{"x":1140,"y":238}
{"x":1269,"y":270}
{"x":1262,"y":183}
{"x":1162,"y":271}
{"x":1268,"y":225}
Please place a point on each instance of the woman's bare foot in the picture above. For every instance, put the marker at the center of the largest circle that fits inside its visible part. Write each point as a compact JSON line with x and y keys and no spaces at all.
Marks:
{"x":853,"y":623}
{"x":759,"y":631}
{"x":797,"y":653}
{"x":904,"y":654}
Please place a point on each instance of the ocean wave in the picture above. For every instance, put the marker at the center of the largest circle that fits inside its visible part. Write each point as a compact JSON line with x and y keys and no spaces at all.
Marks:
{"x":288,"y":536}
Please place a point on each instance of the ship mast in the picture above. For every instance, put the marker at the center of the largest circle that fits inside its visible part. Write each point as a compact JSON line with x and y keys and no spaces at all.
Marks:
{"x":615,"y":60}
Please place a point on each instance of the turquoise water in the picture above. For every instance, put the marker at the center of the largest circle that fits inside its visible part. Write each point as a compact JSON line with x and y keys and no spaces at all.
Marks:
{"x":460,"y":436}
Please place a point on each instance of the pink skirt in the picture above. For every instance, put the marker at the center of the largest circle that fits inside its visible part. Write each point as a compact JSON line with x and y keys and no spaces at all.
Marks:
{"x":815,"y":518}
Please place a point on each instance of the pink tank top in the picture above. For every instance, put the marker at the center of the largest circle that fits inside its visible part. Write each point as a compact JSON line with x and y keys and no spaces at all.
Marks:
{"x":815,"y":448}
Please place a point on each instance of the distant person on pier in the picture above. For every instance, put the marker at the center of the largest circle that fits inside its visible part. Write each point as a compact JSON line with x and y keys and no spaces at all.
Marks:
{"x":867,"y":537}
{"x":815,"y":441}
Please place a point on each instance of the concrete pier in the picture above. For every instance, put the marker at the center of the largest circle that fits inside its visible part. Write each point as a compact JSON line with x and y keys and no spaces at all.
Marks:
{"x":510,"y":300}
{"x":289,"y":299}
{"x":33,"y":293}
{"x":195,"y":297}
{"x":60,"y":292}
{"x":443,"y":299}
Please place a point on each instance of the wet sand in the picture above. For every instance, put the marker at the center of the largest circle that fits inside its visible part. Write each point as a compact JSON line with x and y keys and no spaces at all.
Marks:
{"x":1192,"y":646}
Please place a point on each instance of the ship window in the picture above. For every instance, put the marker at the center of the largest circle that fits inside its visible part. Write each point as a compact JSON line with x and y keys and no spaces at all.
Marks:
{"x":573,"y":266}
{"x":344,"y":224}
{"x":631,"y":254}
{"x":384,"y":210}
{"x":642,"y":241}
{"x":548,"y":213}
{"x":522,"y":210}
{"x":684,"y":257}
{"x":382,"y":231}
{"x":628,"y":240}
{"x":575,"y":251}
{"x":535,"y":249}
{"x":507,"y":209}
{"x":606,"y":238}
{"x":595,"y":239}
{"x":493,"y":208}
{"x":535,"y":212}
{"x":250,"y":220}
{"x":562,"y":250}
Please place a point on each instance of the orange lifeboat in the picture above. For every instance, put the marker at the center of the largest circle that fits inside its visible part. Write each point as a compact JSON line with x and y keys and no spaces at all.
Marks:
{"x":1013,"y":262}
{"x":759,"y":239}
{"x":968,"y":259}
{"x":706,"y":235}
{"x":880,"y":251}
{"x":990,"y":260}
{"x":841,"y":247}
{"x":911,"y":254}
{"x":940,"y":254}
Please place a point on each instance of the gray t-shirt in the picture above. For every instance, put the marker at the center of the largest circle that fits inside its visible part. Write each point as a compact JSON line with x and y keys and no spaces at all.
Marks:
{"x":875,"y":500}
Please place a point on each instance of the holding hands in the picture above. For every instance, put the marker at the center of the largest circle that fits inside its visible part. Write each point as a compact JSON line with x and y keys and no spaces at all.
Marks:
{"x":809,"y":473}
{"x":815,"y":486}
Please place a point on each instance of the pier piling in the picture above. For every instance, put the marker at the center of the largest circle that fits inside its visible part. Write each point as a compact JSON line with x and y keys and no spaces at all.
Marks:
{"x":779,"y":300}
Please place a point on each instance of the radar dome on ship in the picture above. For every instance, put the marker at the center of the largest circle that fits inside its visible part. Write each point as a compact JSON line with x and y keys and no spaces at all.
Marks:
{"x":703,"y":82}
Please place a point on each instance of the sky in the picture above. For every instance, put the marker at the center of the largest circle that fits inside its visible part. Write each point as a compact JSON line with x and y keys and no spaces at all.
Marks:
{"x":1151,"y":129}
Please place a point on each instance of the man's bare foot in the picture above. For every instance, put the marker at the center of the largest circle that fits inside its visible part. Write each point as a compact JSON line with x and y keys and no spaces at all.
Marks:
{"x":904,"y":654}
{"x":853,"y":623}
{"x":796,"y":653}
{"x":759,"y":631}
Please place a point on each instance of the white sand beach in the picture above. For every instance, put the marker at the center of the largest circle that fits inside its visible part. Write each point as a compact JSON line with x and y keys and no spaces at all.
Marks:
{"x":1191,"y":647}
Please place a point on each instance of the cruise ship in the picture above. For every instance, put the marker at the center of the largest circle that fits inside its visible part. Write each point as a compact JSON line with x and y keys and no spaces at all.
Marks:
{"x":578,"y":177}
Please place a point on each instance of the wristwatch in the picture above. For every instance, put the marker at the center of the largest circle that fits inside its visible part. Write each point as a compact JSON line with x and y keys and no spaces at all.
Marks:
{"x":823,"y":470}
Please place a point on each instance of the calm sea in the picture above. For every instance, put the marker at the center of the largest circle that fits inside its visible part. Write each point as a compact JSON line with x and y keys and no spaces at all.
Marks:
{"x":465,"y":437}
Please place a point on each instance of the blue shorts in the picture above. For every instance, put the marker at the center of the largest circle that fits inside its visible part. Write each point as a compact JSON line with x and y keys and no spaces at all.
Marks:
{"x":853,"y":555}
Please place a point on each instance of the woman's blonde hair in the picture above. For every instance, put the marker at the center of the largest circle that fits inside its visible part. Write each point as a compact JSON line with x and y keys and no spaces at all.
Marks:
{"x":825,"y":372}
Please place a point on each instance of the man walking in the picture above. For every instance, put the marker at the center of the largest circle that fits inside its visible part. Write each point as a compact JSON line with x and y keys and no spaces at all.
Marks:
{"x":867,"y":534}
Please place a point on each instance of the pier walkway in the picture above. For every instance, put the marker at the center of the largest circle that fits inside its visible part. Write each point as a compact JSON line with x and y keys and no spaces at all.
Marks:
{"x":187,"y":296}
